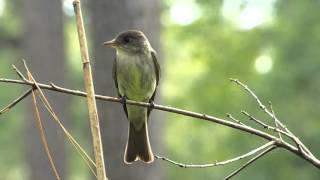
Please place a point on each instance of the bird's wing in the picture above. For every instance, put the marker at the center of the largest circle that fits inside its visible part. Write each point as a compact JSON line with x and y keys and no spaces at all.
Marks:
{"x":114,"y":76}
{"x":158,"y":72}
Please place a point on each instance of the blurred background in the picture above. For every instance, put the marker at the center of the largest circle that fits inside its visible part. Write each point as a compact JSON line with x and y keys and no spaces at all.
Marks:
{"x":271,"y":45}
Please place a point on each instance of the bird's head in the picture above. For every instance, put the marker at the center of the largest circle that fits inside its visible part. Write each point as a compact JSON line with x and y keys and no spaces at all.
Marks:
{"x":131,"y":41}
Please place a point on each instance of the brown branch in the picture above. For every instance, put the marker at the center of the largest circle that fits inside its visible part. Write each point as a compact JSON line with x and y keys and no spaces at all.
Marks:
{"x":280,"y":143}
{"x":92,"y":107}
{"x":250,"y":162}
{"x":250,"y":153}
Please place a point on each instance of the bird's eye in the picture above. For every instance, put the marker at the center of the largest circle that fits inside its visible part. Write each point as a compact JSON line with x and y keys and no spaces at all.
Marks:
{"x":126,"y":40}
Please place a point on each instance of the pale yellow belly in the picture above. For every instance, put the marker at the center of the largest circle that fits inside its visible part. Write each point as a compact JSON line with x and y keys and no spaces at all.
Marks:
{"x":136,"y":77}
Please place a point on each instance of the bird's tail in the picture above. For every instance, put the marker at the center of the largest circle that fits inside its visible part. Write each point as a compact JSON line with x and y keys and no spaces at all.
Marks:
{"x":138,"y":145}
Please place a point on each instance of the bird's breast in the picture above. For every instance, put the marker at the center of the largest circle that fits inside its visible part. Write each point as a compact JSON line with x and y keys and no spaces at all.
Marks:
{"x":136,"y":76}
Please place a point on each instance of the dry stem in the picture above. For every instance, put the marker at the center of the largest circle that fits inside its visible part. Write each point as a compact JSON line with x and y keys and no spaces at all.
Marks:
{"x":92,"y":107}
{"x":47,"y":105}
{"x":42,"y":131}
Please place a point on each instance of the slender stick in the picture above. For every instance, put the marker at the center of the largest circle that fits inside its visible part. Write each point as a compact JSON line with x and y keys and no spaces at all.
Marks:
{"x":92,"y":107}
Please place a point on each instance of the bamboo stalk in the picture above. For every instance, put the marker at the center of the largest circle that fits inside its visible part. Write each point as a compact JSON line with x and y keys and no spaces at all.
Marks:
{"x":92,"y":107}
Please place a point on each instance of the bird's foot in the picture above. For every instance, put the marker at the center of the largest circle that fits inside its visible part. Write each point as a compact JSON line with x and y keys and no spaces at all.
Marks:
{"x":123,"y":100}
{"x":152,"y":104}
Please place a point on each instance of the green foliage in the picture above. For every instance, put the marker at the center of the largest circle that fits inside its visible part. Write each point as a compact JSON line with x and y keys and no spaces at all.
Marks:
{"x":201,"y":56}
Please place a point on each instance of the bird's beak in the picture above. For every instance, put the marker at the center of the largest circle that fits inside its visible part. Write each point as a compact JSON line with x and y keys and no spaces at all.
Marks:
{"x":113,"y":43}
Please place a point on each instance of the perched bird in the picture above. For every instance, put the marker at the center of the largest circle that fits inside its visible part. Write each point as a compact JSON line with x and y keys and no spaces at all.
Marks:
{"x":136,"y":74}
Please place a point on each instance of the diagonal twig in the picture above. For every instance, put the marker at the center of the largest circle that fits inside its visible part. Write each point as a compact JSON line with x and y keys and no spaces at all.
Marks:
{"x":264,"y":125}
{"x":234,"y":119}
{"x":249,"y":162}
{"x":16,"y":101}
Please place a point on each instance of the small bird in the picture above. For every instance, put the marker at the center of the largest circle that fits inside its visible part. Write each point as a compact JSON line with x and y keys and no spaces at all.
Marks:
{"x":136,"y":74}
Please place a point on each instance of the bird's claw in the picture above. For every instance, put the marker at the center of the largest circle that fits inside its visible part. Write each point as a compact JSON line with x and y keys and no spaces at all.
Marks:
{"x":123,"y":100}
{"x":152,"y":104}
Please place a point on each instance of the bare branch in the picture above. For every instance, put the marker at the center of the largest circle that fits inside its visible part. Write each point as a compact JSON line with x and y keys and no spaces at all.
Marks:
{"x":252,"y":152}
{"x":249,"y":162}
{"x":300,"y":145}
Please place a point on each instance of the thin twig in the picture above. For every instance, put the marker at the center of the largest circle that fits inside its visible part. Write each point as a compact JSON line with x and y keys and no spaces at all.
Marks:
{"x":311,"y":159}
{"x":249,"y":162}
{"x":274,"y":118}
{"x":16,"y":101}
{"x":265,"y":126}
{"x":88,"y":82}
{"x":234,"y":119}
{"x":43,"y":135}
{"x":84,"y":156}
{"x":250,"y":153}
{"x":19,"y":73}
